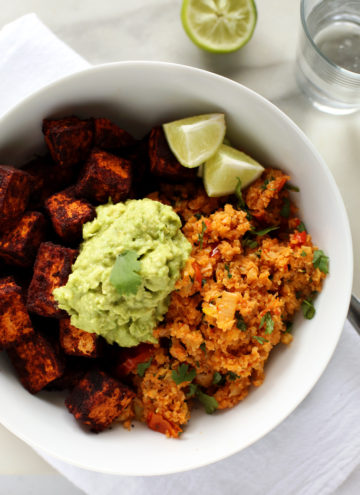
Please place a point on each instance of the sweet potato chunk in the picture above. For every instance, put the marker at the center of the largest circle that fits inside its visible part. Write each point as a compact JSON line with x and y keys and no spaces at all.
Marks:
{"x":19,"y":246}
{"x":104,"y":176}
{"x":77,"y":342}
{"x":15,"y":189}
{"x":163,"y":162}
{"x":36,"y":362}
{"x":69,"y":140}
{"x":75,"y":369}
{"x":68,"y":214}
{"x":15,"y":323}
{"x":49,"y":178}
{"x":51,"y":270}
{"x":98,"y":400}
{"x":108,"y":135}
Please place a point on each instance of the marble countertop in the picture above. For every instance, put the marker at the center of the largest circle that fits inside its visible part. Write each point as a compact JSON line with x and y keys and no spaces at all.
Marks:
{"x":114,"y":30}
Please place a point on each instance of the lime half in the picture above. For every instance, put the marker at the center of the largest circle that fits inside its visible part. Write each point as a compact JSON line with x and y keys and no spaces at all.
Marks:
{"x":221,"y":171}
{"x":195,"y":139}
{"x":219,"y":26}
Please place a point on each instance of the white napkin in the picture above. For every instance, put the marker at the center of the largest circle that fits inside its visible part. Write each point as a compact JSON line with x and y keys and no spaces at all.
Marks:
{"x":312,"y":452}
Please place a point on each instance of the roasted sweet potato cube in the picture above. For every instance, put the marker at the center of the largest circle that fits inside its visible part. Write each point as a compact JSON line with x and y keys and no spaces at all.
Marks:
{"x":15,"y":189}
{"x":48,"y":178}
{"x":68,"y":214}
{"x":108,"y":135}
{"x":69,"y":140}
{"x":77,"y":342}
{"x":15,"y":323}
{"x":75,"y":369}
{"x":163,"y":162}
{"x":19,"y":246}
{"x":104,"y":176}
{"x":98,"y":400}
{"x":51,"y":270}
{"x":36,"y":362}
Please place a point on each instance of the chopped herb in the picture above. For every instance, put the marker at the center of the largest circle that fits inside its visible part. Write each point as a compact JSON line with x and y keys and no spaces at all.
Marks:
{"x":192,"y":390}
{"x":240,"y":323}
{"x":210,"y":403}
{"x":142,"y":367}
{"x":203,"y":282}
{"x":232,"y":376}
{"x":266,"y":182}
{"x":183,"y":374}
{"x":268,"y":322}
{"x":265,"y":231}
{"x":203,"y":347}
{"x":217,"y":378}
{"x":261,"y":340}
{"x":197,"y":364}
{"x":197,"y":216}
{"x":301,"y":227}
{"x":290,"y":187}
{"x":321,"y":261}
{"x":125,"y":276}
{"x":285,"y":210}
{"x":247,"y":242}
{"x":298,"y":294}
{"x":201,"y":235}
{"x":303,"y":254}
{"x":191,"y":278}
{"x":227,"y":268}
{"x":249,"y":216}
{"x":308,"y":309}
{"x":238,"y":194}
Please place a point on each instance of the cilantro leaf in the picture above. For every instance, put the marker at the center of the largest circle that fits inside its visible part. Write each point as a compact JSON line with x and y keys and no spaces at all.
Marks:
{"x":203,"y":347}
{"x":290,"y":187}
{"x":240,"y":323}
{"x":247,"y":242}
{"x":142,"y":367}
{"x":308,"y":309}
{"x":232,"y":376}
{"x":301,"y":227}
{"x":238,"y":194}
{"x":268,"y":321}
{"x":192,"y":390}
{"x":210,"y":403}
{"x":201,"y":235}
{"x":227,"y":268}
{"x":303,"y":253}
{"x":321,"y":261}
{"x":285,"y":209}
{"x":265,"y":231}
{"x":217,"y":378}
{"x":261,"y":340}
{"x":183,"y":374}
{"x":125,"y":275}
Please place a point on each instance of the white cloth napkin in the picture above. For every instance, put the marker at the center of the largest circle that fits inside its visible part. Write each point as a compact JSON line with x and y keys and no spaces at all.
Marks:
{"x":312,"y":452}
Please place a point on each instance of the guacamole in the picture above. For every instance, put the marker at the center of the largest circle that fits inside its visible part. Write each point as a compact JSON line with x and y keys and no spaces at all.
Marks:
{"x":143,"y":237}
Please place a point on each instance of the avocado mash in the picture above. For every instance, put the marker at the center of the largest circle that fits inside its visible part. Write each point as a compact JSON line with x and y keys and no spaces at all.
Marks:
{"x":128,"y":265}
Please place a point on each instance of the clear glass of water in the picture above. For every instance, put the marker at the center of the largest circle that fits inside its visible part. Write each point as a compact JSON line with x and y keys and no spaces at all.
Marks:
{"x":328,"y":59}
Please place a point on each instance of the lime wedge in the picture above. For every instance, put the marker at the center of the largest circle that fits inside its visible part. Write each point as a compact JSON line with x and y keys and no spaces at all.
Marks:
{"x":222,"y":170}
{"x":219,"y":26}
{"x":195,"y":139}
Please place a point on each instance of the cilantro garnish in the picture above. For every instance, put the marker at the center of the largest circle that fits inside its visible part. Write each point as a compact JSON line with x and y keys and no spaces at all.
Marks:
{"x":203,"y":347}
{"x":289,"y":326}
{"x":142,"y":367}
{"x":197,"y":216}
{"x":266,"y":182}
{"x":290,"y":187}
{"x":240,"y":323}
{"x":321,"y":261}
{"x":201,"y":235}
{"x":285,"y":210}
{"x":192,"y":390}
{"x":183,"y":374}
{"x":303,"y":254}
{"x":125,"y":276}
{"x":217,"y":378}
{"x":261,"y":340}
{"x":247,"y":242}
{"x":203,"y":282}
{"x":238,"y":194}
{"x":308,"y":309}
{"x":227,"y":268}
{"x":232,"y":376}
{"x":265,"y":231}
{"x":210,"y":403}
{"x":301,"y":227}
{"x":268,"y":322}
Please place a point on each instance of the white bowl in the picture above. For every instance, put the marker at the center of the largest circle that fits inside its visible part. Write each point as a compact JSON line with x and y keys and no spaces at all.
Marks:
{"x":138,"y":95}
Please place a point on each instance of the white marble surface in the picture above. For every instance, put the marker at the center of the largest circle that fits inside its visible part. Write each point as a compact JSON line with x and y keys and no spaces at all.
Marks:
{"x":113,"y":30}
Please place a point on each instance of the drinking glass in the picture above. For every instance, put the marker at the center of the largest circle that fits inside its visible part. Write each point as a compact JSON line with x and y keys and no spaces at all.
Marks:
{"x":328,"y":58}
